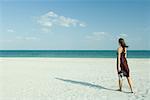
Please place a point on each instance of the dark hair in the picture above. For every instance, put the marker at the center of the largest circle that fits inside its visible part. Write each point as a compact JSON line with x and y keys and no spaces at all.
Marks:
{"x":122,"y":43}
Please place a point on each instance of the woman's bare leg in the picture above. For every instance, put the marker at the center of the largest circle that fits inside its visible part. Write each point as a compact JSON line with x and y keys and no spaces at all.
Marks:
{"x":120,"y":84}
{"x":130,"y":83}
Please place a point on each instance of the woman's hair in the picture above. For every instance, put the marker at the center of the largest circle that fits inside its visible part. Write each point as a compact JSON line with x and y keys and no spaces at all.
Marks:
{"x":122,"y":43}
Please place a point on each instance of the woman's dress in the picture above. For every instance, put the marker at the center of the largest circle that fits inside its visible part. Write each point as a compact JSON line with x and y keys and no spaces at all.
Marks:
{"x":124,"y":65}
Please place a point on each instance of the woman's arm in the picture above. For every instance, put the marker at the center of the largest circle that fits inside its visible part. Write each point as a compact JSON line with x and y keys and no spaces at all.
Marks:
{"x":126,"y":53}
{"x":118,"y":61}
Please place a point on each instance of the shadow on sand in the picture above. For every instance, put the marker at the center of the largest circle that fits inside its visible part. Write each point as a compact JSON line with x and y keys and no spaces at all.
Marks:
{"x":84,"y":84}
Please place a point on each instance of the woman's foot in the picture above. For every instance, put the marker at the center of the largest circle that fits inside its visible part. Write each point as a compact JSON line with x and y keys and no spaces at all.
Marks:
{"x":119,"y":90}
{"x":132,"y":92}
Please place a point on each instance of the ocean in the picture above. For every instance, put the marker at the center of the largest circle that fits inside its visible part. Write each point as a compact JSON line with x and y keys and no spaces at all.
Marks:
{"x":73,"y":53}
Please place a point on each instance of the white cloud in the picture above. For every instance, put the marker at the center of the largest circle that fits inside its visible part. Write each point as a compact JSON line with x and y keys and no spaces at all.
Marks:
{"x":105,"y":36}
{"x":26,"y":38}
{"x":123,"y":35}
{"x":51,"y":14}
{"x":98,"y":35}
{"x":51,"y":19}
{"x":19,"y":39}
{"x":45,"y":29}
{"x":82,"y":24}
{"x":67,"y":22}
{"x":10,"y":30}
{"x":5,"y":40}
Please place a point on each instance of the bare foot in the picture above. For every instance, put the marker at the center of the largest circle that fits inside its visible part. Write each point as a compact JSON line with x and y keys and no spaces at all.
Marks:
{"x":119,"y":90}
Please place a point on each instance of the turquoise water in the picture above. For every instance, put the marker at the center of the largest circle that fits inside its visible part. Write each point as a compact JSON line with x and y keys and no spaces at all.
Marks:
{"x":73,"y":53}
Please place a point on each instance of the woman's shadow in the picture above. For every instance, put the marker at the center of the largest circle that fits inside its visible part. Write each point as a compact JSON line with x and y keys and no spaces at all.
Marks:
{"x":84,"y":84}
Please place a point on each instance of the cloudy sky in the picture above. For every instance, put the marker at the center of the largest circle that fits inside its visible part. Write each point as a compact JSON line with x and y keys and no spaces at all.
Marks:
{"x":74,"y":24}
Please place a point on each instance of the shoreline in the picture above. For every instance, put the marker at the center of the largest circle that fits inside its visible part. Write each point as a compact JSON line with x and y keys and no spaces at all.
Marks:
{"x":64,"y":58}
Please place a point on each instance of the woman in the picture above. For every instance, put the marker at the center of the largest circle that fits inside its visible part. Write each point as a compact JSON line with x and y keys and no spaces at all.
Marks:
{"x":122,"y":65}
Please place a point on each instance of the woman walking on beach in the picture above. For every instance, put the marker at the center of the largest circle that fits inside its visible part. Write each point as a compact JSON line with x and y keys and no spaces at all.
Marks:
{"x":122,"y":65}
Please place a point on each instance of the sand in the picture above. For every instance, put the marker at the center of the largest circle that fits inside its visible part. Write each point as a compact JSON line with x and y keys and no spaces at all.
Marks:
{"x":71,"y":79}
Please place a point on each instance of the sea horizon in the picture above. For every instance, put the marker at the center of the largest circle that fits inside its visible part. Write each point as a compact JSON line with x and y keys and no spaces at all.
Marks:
{"x":73,"y":53}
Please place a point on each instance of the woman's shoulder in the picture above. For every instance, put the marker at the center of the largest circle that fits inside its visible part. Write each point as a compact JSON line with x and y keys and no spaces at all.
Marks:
{"x":119,"y":49}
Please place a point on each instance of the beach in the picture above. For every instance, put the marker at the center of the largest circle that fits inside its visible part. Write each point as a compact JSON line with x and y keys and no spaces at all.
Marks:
{"x":71,"y":79}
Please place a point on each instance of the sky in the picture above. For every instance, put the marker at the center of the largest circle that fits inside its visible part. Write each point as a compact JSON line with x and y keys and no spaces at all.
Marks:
{"x":74,"y":24}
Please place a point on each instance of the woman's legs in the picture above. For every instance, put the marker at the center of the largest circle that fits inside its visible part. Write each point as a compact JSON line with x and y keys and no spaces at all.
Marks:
{"x":130,"y":83}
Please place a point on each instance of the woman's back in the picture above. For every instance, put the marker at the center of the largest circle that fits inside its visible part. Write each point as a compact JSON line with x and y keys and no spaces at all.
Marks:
{"x":123,"y":63}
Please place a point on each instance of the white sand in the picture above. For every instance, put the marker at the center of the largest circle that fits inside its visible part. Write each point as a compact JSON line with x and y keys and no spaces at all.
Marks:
{"x":70,"y":79}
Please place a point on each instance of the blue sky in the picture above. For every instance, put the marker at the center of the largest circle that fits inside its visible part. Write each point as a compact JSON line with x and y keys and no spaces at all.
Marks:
{"x":74,"y":24}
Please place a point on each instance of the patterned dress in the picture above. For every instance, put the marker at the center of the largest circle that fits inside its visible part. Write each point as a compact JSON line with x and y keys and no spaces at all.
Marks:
{"x":123,"y":64}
